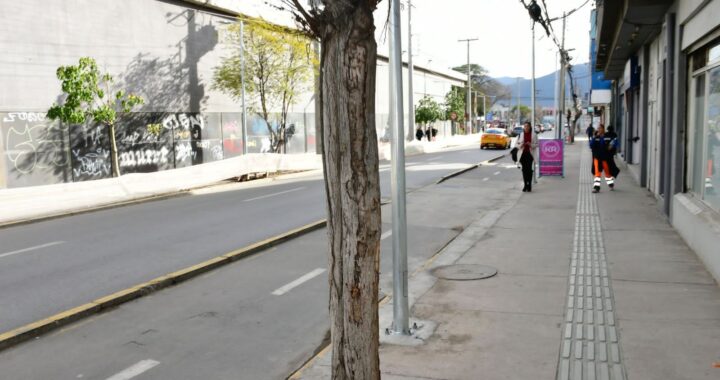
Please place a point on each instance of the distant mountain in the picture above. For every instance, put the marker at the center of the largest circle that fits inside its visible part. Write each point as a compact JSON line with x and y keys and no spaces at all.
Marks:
{"x":545,"y":86}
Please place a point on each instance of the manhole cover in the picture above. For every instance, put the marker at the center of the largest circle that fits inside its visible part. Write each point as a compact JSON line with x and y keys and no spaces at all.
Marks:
{"x":464,"y":272}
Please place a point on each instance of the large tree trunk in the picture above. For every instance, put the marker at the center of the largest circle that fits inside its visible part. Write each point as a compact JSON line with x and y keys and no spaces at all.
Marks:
{"x":352,"y":184}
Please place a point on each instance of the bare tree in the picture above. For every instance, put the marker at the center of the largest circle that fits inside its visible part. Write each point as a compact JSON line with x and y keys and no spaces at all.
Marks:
{"x":350,"y":161}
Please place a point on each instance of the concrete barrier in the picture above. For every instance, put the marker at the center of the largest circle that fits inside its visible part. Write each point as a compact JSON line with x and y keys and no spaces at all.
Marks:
{"x":22,"y":204}
{"x":27,"y":203}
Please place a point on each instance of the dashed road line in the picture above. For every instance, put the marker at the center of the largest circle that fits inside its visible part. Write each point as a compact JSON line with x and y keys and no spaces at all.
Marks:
{"x":486,"y":178}
{"x":496,"y":173}
{"x":41,"y":246}
{"x":134,"y":370}
{"x":274,"y":194}
{"x":307,"y":277}
{"x":386,"y":235}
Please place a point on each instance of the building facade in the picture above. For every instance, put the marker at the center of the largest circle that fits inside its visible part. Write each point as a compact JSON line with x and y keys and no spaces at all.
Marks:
{"x":163,"y":50}
{"x":663,"y":58}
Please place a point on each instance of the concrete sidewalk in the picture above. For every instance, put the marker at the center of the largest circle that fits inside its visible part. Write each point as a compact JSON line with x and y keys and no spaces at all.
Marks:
{"x":589,"y":286}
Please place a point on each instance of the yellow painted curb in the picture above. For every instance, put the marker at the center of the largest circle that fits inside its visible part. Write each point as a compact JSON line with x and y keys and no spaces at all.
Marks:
{"x":34,"y":329}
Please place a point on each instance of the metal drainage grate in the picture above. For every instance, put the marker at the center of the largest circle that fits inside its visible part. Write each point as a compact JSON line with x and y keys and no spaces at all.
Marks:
{"x":464,"y":272}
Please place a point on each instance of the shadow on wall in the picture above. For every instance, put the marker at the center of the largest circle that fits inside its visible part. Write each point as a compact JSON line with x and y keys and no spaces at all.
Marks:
{"x":172,"y":84}
{"x":39,"y":151}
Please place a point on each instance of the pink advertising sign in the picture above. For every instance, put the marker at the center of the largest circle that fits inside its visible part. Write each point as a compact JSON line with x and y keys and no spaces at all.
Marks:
{"x":551,"y":157}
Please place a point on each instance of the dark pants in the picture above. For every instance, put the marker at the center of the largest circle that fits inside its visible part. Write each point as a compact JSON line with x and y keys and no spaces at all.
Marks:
{"x":526,"y":160}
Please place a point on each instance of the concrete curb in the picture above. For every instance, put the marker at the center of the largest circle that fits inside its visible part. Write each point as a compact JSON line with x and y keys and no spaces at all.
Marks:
{"x":106,"y":206}
{"x":128,"y":202}
{"x":450,"y":253}
{"x":465,"y":170}
{"x":34,"y":329}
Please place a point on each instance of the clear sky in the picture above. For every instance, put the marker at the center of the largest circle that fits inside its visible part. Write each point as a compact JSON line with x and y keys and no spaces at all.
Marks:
{"x":502,"y":27}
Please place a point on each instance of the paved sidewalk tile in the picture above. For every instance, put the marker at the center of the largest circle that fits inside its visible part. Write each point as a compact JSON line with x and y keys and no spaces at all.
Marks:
{"x":589,"y":286}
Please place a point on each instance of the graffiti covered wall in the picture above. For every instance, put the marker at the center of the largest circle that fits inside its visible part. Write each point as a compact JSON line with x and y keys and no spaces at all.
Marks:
{"x":36,"y":151}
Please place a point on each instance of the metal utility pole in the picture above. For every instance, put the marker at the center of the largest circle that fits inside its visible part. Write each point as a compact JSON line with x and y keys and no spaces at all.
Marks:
{"x":468,"y":108}
{"x":242,"y":86}
{"x":532,"y":82}
{"x":532,"y":100}
{"x":517,"y":100}
{"x":561,"y":94}
{"x":411,"y":69}
{"x":401,"y":322}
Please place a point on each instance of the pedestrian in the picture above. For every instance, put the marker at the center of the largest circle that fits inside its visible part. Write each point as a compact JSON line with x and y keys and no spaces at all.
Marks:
{"x":612,"y":148}
{"x":428,"y":133}
{"x":602,"y":147}
{"x":590,"y":131}
{"x":419,"y":133}
{"x":527,"y":141}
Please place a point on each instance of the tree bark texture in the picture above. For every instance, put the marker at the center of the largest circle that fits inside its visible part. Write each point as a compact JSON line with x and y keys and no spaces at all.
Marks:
{"x":113,"y":151}
{"x":350,"y":163}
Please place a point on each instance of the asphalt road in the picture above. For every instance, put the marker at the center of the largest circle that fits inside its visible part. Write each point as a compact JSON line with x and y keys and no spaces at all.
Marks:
{"x":52,"y":266}
{"x":261,"y":317}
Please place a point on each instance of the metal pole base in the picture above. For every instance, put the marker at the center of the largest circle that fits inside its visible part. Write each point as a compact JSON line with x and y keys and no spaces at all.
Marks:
{"x":419,"y":332}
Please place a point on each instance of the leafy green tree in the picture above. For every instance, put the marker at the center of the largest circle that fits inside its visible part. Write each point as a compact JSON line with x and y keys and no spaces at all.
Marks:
{"x":485,"y":85}
{"x":89,"y":97}
{"x":278,"y":67}
{"x":455,"y":102}
{"x":525,"y":112}
{"x":428,"y":111}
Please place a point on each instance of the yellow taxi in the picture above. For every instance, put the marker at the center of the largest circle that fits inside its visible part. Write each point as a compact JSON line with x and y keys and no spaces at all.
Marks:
{"x":496,"y":138}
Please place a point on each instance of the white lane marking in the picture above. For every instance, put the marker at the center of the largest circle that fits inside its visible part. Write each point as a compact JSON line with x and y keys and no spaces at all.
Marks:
{"x":134,"y":370}
{"x":486,"y":178}
{"x":385,"y":235}
{"x":434,"y":159}
{"x":496,"y":173}
{"x":6,"y":254}
{"x":286,"y":288}
{"x":274,"y":194}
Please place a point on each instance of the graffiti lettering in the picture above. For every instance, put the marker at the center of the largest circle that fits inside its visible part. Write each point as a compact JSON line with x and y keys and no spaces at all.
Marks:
{"x":139,"y":138}
{"x":217,"y":152}
{"x":203,"y":144}
{"x":135,"y":158}
{"x":183,"y":152}
{"x":92,"y":164}
{"x":183,"y":121}
{"x":24,"y":145}
{"x":24,"y":116}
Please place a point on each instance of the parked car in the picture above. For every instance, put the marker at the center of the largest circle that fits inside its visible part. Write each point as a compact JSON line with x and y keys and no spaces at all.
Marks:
{"x":516,"y":131}
{"x":496,"y":138}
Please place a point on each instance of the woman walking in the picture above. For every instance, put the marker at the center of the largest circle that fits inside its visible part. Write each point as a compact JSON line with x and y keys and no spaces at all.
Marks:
{"x":526,"y":143}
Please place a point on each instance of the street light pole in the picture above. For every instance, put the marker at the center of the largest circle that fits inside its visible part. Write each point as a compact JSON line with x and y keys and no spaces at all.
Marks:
{"x":561,"y":93}
{"x":401,"y":322}
{"x":532,"y":82}
{"x":468,"y":121}
{"x":517,"y":100}
{"x":242,"y":86}
{"x":411,"y":69}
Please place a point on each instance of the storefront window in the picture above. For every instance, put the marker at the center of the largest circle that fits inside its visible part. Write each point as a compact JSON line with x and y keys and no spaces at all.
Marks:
{"x":699,"y":136}
{"x":712,"y":141}
{"x":714,"y":53}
